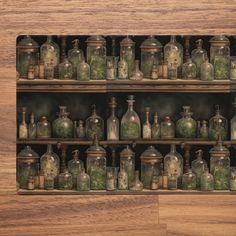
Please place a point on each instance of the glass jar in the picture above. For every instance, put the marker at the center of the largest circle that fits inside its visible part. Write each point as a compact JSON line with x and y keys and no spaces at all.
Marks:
{"x":172,"y":182}
{"x":83,"y":71}
{"x":130,"y":122}
{"x":96,"y":166}
{"x":186,"y":127}
{"x":146,"y":125}
{"x":233,"y":68}
{"x":80,"y":130}
{"x":151,"y":164}
{"x":122,"y":68}
{"x":49,"y":182}
{"x":136,"y":184}
{"x":204,"y":131}
{"x":111,"y":68}
{"x":189,"y":70}
{"x":155,"y":182}
{"x":151,"y":53}
{"x":96,"y":57}
{"x":49,"y":70}
{"x":207,"y":70}
{"x":155,"y":71}
{"x":220,"y":57}
{"x":233,"y":178}
{"x":32,"y":127}
{"x":137,"y":73}
{"x":43,"y":128}
{"x":173,"y":71}
{"x":111,"y":179}
{"x":167,"y":128}
{"x":23,"y":127}
{"x":65,"y":70}
{"x":127,"y":52}
{"x":233,"y":123}
{"x":94,"y":125}
{"x":62,"y":127}
{"x":83,"y":181}
{"x":27,"y":163}
{"x":218,"y":125}
{"x":155,"y":129}
{"x":123,"y":179}
{"x":65,"y":180}
{"x":26,"y":52}
{"x":206,"y":181}
{"x":189,"y":180}
{"x":127,"y":157}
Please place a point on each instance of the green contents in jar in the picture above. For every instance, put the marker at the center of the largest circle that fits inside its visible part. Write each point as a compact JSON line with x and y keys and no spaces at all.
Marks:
{"x":123,"y":181}
{"x":65,"y":184}
{"x":129,"y":58}
{"x":221,"y":68}
{"x":191,"y":185}
{"x":22,"y":68}
{"x":83,"y":186}
{"x":206,"y":75}
{"x":207,"y":186}
{"x":130,"y":130}
{"x":97,"y":178}
{"x":147,"y":68}
{"x":43,"y":132}
{"x":221,"y":178}
{"x":62,"y":128}
{"x":167,"y":132}
{"x":198,"y":172}
{"x":186,"y":128}
{"x":98,"y":68}
{"x":66,"y":75}
{"x":23,"y":178}
{"x":146,"y":178}
{"x":95,"y":131}
{"x":129,"y":168}
{"x":189,"y":73}
{"x":215,"y":133}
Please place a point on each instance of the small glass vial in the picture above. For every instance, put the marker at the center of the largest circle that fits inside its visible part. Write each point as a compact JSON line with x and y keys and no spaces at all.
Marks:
{"x":137,"y":73}
{"x":65,"y":180}
{"x":189,"y":181}
{"x":111,"y":179}
{"x":155,"y":182}
{"x":30,"y":73}
{"x":172,"y":182}
{"x":122,"y":68}
{"x":165,"y":180}
{"x":189,"y":70}
{"x":147,"y":125}
{"x":80,"y":130}
{"x":137,"y":184}
{"x":165,"y":70}
{"x":74,"y":129}
{"x":49,"y":181}
{"x":32,"y":127}
{"x":123,"y":183}
{"x":31,"y":183}
{"x":167,"y":128}
{"x":41,"y":70}
{"x":65,"y":70}
{"x":83,"y":71}
{"x":172,"y":71}
{"x":43,"y":128}
{"x":83,"y":181}
{"x":23,"y":128}
{"x":154,"y":74}
{"x":41,"y":180}
{"x":155,"y":129}
{"x":110,"y":68}
{"x":49,"y":70}
{"x":204,"y":132}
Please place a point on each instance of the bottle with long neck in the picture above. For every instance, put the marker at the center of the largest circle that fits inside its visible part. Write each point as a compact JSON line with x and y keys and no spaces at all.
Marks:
{"x":32,"y":127}
{"x":23,"y":128}
{"x":147,"y":125}
{"x":155,"y":129}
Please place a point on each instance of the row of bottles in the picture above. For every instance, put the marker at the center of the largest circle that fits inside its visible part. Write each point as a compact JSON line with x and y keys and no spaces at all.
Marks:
{"x":98,"y":66}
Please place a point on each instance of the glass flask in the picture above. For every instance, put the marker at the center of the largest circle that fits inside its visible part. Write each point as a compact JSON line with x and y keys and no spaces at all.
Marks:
{"x":65,"y":180}
{"x":62,"y":127}
{"x":233,"y":68}
{"x":49,"y":181}
{"x":27,"y":163}
{"x":204,"y":131}
{"x":122,"y":68}
{"x":26,"y":51}
{"x":130,"y":122}
{"x":110,"y":68}
{"x":186,"y":127}
{"x":83,"y":181}
{"x":206,"y":180}
{"x":96,"y":57}
{"x":94,"y":125}
{"x":206,"y":70}
{"x":127,"y":157}
{"x":198,"y":56}
{"x":218,"y":125}
{"x":111,"y":179}
{"x":32,"y":127}
{"x":173,"y":71}
{"x":96,"y":166}
{"x":137,"y":73}
{"x":83,"y":71}
{"x":123,"y":178}
{"x":75,"y":166}
{"x":151,"y":53}
{"x":127,"y":52}
{"x":113,"y":127}
{"x":147,"y":129}
{"x":198,"y":166}
{"x":43,"y":128}
{"x":155,"y":129}
{"x":167,"y":128}
{"x":23,"y":127}
{"x":220,"y":56}
{"x":233,"y":178}
{"x":50,"y":164}
{"x":189,"y":70}
{"x":80,"y":130}
{"x":65,"y":70}
{"x":151,"y":164}
{"x":233,"y":123}
{"x":136,"y":184}
{"x":172,"y":182}
{"x":75,"y":57}
{"x":220,"y":165}
{"x":173,"y":53}
{"x":189,"y":180}
{"x":173,"y":163}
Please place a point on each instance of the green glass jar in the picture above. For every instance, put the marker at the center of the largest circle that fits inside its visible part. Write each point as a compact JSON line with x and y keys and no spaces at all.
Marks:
{"x":206,"y":181}
{"x":167,"y":128}
{"x":83,"y":71}
{"x":65,"y":180}
{"x":65,"y":70}
{"x":189,"y":70}
{"x":207,"y":71}
{"x":43,"y":128}
{"x":83,"y":181}
{"x":189,"y":181}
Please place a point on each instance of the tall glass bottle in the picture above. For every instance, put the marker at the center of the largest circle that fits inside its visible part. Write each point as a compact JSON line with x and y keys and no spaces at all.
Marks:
{"x":111,"y":68}
{"x":155,"y":129}
{"x":23,"y":127}
{"x":136,"y":185}
{"x":130,"y":122}
{"x":137,"y":73}
{"x":123,"y":178}
{"x":206,"y":70}
{"x":233,"y":123}
{"x":83,"y":71}
{"x":83,"y":181}
{"x":65,"y":70}
{"x":32,"y":127}
{"x":189,"y":70}
{"x":206,"y":180}
{"x":147,"y":126}
{"x":113,"y":127}
{"x":122,"y":68}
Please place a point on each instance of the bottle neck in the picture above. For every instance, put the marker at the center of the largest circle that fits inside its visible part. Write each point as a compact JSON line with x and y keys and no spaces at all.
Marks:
{"x":173,"y":38}
{"x":49,"y":39}
{"x":155,"y":119}
{"x":49,"y":148}
{"x":130,"y":106}
{"x":113,"y":111}
{"x":147,"y":117}
{"x":23,"y":117}
{"x":172,"y":148}
{"x":32,"y":119}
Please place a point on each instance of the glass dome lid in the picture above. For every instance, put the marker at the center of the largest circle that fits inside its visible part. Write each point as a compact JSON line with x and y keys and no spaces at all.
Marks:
{"x":28,"y":154}
{"x":27,"y":43}
{"x":127,"y":41}
{"x":151,"y":154}
{"x":96,"y":39}
{"x":127,"y":152}
{"x":219,"y":40}
{"x":218,"y":150}
{"x":95,"y":150}
{"x":151,"y":43}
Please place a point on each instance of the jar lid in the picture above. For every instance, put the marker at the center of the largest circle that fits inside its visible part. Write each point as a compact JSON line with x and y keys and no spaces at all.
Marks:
{"x":28,"y":154}
{"x":219,"y":150}
{"x":127,"y":42}
{"x":219,"y":40}
{"x":151,"y":43}
{"x":95,"y":149}
{"x":127,"y":152}
{"x":151,"y":154}
{"x":27,"y":42}
{"x":96,"y":39}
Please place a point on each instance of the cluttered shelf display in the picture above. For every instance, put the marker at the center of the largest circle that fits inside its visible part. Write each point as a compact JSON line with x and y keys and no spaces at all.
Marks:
{"x":129,"y":171}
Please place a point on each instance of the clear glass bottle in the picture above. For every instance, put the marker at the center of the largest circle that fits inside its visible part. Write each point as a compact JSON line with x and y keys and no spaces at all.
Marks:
{"x":155,"y":72}
{"x":96,"y":57}
{"x":206,"y":70}
{"x":62,"y":127}
{"x":147,"y":125}
{"x":218,"y":125}
{"x":233,"y":123}
{"x":110,"y":68}
{"x":155,"y":182}
{"x":172,"y":182}
{"x":189,"y":70}
{"x":204,"y":131}
{"x":155,"y":129}
{"x":189,"y":180}
{"x":206,"y":180}
{"x":136,"y":74}
{"x":220,"y":57}
{"x":65,"y":180}
{"x":94,"y":125}
{"x":23,"y":127}
{"x":123,"y":183}
{"x":151,"y":53}
{"x":75,"y":166}
{"x":122,"y":68}
{"x":50,"y":164}
{"x":173,"y":53}
{"x":30,"y":72}
{"x":130,"y":122}
{"x":113,"y":126}
{"x":83,"y":71}
{"x":233,"y":178}
{"x":49,"y":181}
{"x":136,"y":184}
{"x":32,"y":127}
{"x":186,"y":127}
{"x":65,"y":70}
{"x":111,"y":179}
{"x":43,"y":128}
{"x":173,"y":71}
{"x":165,"y":70}
{"x":167,"y":128}
{"x":83,"y":181}
{"x":80,"y":130}
{"x":165,"y":180}
{"x":31,"y":183}
{"x":49,"y":70}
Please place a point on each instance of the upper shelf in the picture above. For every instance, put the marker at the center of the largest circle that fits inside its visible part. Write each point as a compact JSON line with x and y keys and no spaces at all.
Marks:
{"x":145,"y":85}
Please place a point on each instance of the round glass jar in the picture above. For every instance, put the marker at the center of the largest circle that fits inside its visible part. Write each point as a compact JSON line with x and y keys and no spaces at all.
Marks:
{"x":167,"y":128}
{"x":189,"y":181}
{"x":65,"y":181}
{"x":189,"y":70}
{"x":206,"y":181}
{"x":83,"y":71}
{"x":65,"y":70}
{"x":83,"y":181}
{"x":43,"y":129}
{"x":207,"y":71}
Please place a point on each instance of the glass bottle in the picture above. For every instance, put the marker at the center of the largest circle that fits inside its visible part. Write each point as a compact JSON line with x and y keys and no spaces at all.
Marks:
{"x":173,"y":163}
{"x":186,"y":127}
{"x":233,"y":68}
{"x":43,"y":128}
{"x":204,"y":131}
{"x":65,"y":70}
{"x":122,"y":68}
{"x":206,"y":180}
{"x":75,"y":166}
{"x":83,"y":71}
{"x":23,"y":127}
{"x":130,"y":122}
{"x":65,"y":180}
{"x":96,"y":57}
{"x":32,"y":127}
{"x":173,"y":53}
{"x":94,"y":125}
{"x":30,"y":72}
{"x":220,"y":57}
{"x":136,"y":74}
{"x":199,"y":56}
{"x":80,"y":130}
{"x":151,"y":53}
{"x":165,"y":180}
{"x":136,"y":184}
{"x":49,"y":70}
{"x":83,"y":181}
{"x":155,"y":129}
{"x":155,"y":183}
{"x":207,"y":70}
{"x":155,"y":72}
{"x":49,"y":181}
{"x":31,"y":182}
{"x":110,"y":68}
{"x":146,"y":125}
{"x":189,"y":70}
{"x":189,"y":180}
{"x":198,"y":166}
{"x":173,"y":71}
{"x":233,"y":123}
{"x":233,"y":178}
{"x":26,"y":51}
{"x":62,"y":127}
{"x":167,"y":128}
{"x":123,"y":178}
{"x":50,"y":164}
{"x":74,"y":129}
{"x":75,"y":56}
{"x":218,"y":125}
{"x":41,"y":70}
{"x":127,"y":52}
{"x":172,"y":183}
{"x":111,"y":179}
{"x":165,"y":70}
{"x":41,"y":180}
{"x":113,"y":127}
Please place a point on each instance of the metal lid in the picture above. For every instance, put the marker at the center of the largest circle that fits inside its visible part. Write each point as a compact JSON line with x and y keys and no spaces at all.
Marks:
{"x":127,"y":152}
{"x":95,"y":150}
{"x":127,"y":42}
{"x":96,"y":40}
{"x":151,"y":154}
{"x":219,"y":150}
{"x":219,"y":40}
{"x":28,"y":155}
{"x":27,"y":43}
{"x":151,"y":43}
